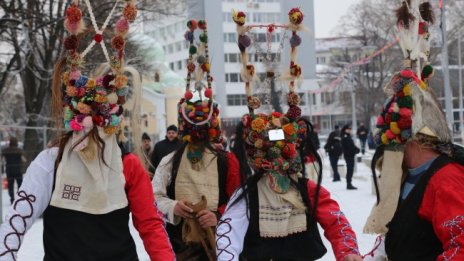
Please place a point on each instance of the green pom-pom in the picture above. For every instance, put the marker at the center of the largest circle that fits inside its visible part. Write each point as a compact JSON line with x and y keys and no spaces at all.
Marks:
{"x":274,"y":153}
{"x":68,"y":114}
{"x":405,"y":102}
{"x":204,"y":38}
{"x":427,"y":71}
{"x":193,"y":50}
{"x":395,"y":116}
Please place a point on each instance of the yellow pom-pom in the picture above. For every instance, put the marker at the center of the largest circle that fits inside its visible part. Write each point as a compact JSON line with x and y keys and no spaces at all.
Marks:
{"x":407,"y":90}
{"x":65,"y":77}
{"x":280,"y":144}
{"x":120,"y":81}
{"x":111,"y":129}
{"x":100,"y":98}
{"x":384,"y":138}
{"x":394,"y":128}
{"x":91,"y":83}
{"x":423,"y":85}
{"x":186,"y":138}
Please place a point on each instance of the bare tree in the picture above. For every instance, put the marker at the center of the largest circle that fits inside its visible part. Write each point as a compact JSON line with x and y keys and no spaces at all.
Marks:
{"x":31,"y":32}
{"x":373,"y":23}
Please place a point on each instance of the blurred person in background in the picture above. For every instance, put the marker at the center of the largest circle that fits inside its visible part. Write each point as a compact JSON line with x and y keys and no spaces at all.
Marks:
{"x":334,"y":148}
{"x":349,"y":152}
{"x":14,"y":160}
{"x":166,"y":146}
{"x":362,"y":136}
{"x":147,"y":151}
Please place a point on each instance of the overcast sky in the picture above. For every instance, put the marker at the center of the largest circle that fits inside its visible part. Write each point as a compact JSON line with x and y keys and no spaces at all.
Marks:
{"x":327,"y":14}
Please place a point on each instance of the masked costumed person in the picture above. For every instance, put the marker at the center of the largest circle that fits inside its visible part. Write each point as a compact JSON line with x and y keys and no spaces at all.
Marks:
{"x":193,"y":184}
{"x":420,"y":205}
{"x":86,"y":188}
{"x":274,"y":216}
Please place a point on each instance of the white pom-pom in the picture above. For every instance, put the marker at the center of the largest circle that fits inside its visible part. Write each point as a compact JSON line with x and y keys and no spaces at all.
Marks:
{"x":112,"y":98}
{"x":87,"y":122}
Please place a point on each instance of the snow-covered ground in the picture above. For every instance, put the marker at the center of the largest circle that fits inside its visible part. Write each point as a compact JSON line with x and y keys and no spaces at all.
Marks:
{"x":356,"y":204}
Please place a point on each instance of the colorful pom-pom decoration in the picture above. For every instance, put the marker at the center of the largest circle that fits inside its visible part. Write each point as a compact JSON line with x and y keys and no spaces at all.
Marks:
{"x":295,"y":16}
{"x":192,"y":25}
{"x":209,"y":93}
{"x":188,"y":95}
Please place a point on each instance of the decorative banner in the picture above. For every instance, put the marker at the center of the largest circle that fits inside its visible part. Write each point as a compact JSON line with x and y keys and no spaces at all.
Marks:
{"x":347,"y":68}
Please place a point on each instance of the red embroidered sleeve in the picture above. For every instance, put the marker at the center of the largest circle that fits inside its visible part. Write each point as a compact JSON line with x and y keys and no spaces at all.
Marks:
{"x":145,"y":215}
{"x":336,"y":227}
{"x":233,"y":178}
{"x":443,"y":206}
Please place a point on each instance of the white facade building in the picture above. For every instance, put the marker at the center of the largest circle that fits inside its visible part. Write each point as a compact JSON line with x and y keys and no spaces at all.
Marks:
{"x":224,"y":53}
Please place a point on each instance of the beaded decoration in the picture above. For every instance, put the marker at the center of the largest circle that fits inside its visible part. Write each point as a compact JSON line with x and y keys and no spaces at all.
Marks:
{"x":198,"y":120}
{"x":277,"y":158}
{"x":90,"y":102}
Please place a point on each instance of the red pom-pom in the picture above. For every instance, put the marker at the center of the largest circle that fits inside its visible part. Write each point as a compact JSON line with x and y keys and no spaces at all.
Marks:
{"x":98,"y":38}
{"x":192,"y":24}
{"x":71,"y":42}
{"x":130,"y":12}
{"x":407,"y":73}
{"x":380,"y":121}
{"x":390,"y":134}
{"x":73,"y":14}
{"x":188,"y":95}
{"x":212,"y":133}
{"x":289,"y":151}
{"x":405,"y":112}
{"x":294,"y":112}
{"x":118,"y":42}
{"x":277,"y":114}
{"x":388,"y":118}
{"x":97,"y":120}
{"x":209,"y":93}
{"x":404,"y":123}
{"x":202,"y":24}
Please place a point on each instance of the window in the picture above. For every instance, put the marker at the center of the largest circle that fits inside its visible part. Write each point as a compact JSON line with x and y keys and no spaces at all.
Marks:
{"x":179,"y":65}
{"x":157,"y":77}
{"x":171,"y":65}
{"x":314,"y":98}
{"x":258,"y":17}
{"x":171,"y":48}
{"x":227,"y":17}
{"x":302,"y":99}
{"x":260,"y":37}
{"x":230,"y":38}
{"x":233,"y":57}
{"x":179,"y":46}
{"x":226,"y":58}
{"x":320,"y":60}
{"x":234,"y":77}
{"x":236,"y":100}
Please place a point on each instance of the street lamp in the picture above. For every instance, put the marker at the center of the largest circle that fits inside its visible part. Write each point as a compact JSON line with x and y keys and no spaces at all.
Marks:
{"x":349,"y":66}
{"x":461,"y":116}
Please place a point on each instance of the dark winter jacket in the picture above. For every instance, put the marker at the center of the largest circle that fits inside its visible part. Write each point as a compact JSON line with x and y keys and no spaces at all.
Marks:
{"x":333,"y":145}
{"x":362,"y":133}
{"x":162,"y":149}
{"x":13,"y":158}
{"x":349,"y":149}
